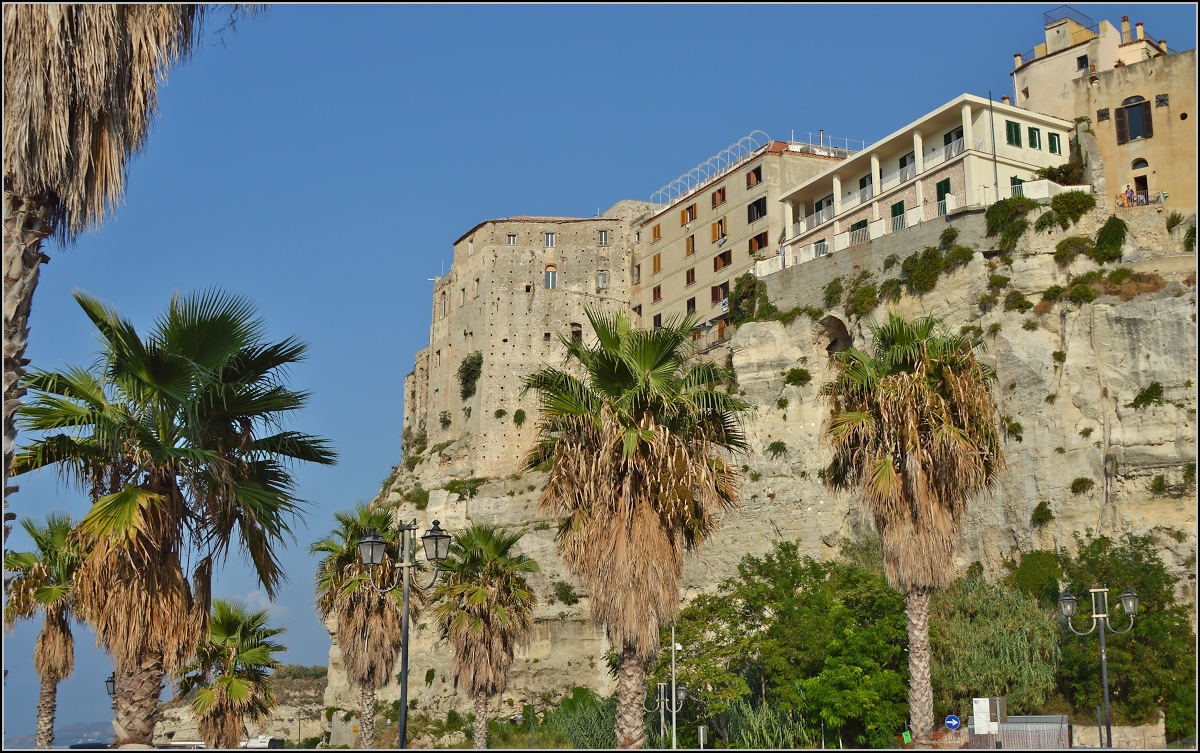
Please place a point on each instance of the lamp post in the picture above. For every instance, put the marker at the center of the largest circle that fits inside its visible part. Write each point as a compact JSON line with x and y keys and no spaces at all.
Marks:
{"x":678,"y":693}
{"x":660,"y":703}
{"x":371,"y":550}
{"x":111,"y":686}
{"x":1100,"y":618}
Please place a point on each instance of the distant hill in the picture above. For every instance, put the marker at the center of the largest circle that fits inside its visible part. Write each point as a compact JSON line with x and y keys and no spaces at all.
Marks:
{"x":82,"y":732}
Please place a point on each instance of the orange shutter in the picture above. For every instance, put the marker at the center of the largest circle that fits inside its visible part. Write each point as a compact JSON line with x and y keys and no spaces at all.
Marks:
{"x":716,"y":233}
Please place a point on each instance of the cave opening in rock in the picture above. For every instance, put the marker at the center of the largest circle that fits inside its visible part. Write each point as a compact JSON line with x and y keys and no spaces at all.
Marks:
{"x":837,"y":338}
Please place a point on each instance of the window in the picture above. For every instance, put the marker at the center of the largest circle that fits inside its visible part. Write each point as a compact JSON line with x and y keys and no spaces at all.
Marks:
{"x":720,"y":261}
{"x":462,"y":296}
{"x":756,"y":210}
{"x":943,"y":188}
{"x":656,"y":233}
{"x":1162,"y":100}
{"x":549,"y":240}
{"x":657,"y":294}
{"x":687,"y":215}
{"x":437,"y":358}
{"x":953,"y":136}
{"x":718,"y":230}
{"x":1133,"y":120}
{"x":603,"y":237}
{"x":720,"y":292}
{"x":689,"y":245}
{"x":638,"y":309}
{"x":898,"y":221}
{"x":759,"y":242}
{"x":754,"y":177}
{"x":1081,"y":63}
{"x":551,"y":277}
{"x":657,"y":321}
{"x":512,"y":239}
{"x":860,"y":225}
{"x":908,"y":159}
{"x":864,"y":182}
{"x":577,"y":332}
{"x":1014,"y":133}
{"x":637,"y":273}
{"x":690,"y":276}
{"x":656,"y":264}
{"x":637,"y":237}
{"x":691,"y":305}
{"x":475,"y":289}
{"x":718,"y":197}
{"x":1101,"y":114}
{"x":1035,"y":138}
{"x":602,"y":280}
{"x":444,"y":305}
{"x":1055,"y":143}
{"x":545,"y":337}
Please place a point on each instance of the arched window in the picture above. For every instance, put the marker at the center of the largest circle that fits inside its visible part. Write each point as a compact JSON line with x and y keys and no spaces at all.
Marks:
{"x":551,"y":276}
{"x":1133,"y":120}
{"x":444,"y":305}
{"x":1140,"y":164}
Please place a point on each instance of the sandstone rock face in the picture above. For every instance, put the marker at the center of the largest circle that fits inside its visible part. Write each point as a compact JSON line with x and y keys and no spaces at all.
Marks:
{"x":1111,"y":350}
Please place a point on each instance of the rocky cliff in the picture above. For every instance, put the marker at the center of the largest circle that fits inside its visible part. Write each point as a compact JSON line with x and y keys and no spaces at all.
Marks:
{"x":1067,"y":379}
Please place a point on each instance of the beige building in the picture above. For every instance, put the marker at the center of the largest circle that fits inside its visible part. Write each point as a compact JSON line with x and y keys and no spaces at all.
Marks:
{"x":515,"y":285}
{"x":714,"y":226}
{"x":968,"y":152}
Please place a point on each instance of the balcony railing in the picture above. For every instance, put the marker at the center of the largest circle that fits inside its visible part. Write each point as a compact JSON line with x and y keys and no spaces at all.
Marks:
{"x":908,"y":172}
{"x":821,"y":248}
{"x":862,"y":235}
{"x":941,"y":154}
{"x":1140,"y":199}
{"x":816,"y":218}
{"x":1017,"y":190}
{"x":898,"y":223}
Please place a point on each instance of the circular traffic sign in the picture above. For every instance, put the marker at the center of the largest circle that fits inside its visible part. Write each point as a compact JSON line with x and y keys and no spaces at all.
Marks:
{"x":952,"y":722}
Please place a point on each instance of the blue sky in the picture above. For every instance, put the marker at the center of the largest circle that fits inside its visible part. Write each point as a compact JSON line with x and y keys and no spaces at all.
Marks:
{"x":324,"y":158}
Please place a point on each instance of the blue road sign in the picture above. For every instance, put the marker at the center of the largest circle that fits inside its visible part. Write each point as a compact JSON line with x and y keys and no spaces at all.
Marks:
{"x":952,"y":722}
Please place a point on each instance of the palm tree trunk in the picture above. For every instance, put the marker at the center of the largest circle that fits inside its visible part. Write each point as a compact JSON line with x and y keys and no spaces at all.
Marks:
{"x":631,"y":687}
{"x":47,"y":704}
{"x":25,"y":226}
{"x":366,"y":717}
{"x":920,"y":691}
{"x":480,"y":720}
{"x":137,"y":703}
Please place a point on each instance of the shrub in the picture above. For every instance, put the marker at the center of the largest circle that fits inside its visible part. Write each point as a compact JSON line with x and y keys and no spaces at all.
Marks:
{"x":1030,"y":325}
{"x":971,"y":329}
{"x":1151,"y":395}
{"x":1069,"y":173}
{"x":1174,"y":220}
{"x":1059,"y":356}
{"x":1014,"y":428}
{"x":947,"y":238}
{"x":862,"y":301}
{"x":1043,"y":307}
{"x":518,"y":417}
{"x":1003,"y":213}
{"x":1041,"y":515}
{"x":993,"y":329}
{"x":411,"y":462}
{"x":997,"y":282}
{"x":891,"y":261}
{"x":468,"y":373}
{"x":1012,"y":233}
{"x":748,"y":301}
{"x":1082,"y":485}
{"x":441,"y":446}
{"x":1016,"y":301}
{"x":1072,"y":205}
{"x":797,"y":376}
{"x":1158,"y":486}
{"x":1051,"y":397}
{"x":1085,"y":432}
{"x":466,"y":488}
{"x":500,"y":413}
{"x":777,"y":449}
{"x":466,"y":411}
{"x":445,"y":419}
{"x":833,"y":292}
{"x":1060,"y":450}
{"x":889,"y":290}
{"x":1189,"y":475}
{"x":987,"y":300}
{"x":418,"y":496}
{"x":560,"y":590}
{"x":1120,"y":275}
{"x":781,"y":403}
{"x":1046,"y":221}
{"x":1081,"y":294}
{"x":921,"y":270}
{"x":1053,"y":293}
{"x":1070,"y":247}
{"x":959,"y":256}
{"x":1109,"y":240}
{"x":755,"y":475}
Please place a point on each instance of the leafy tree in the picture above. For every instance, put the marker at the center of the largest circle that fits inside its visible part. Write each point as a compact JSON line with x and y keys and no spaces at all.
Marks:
{"x":484,"y":607}
{"x":1152,"y":669}
{"x":638,"y":451}
{"x":913,"y":429}
{"x":176,"y":438}
{"x":41,"y":581}
{"x":231,"y":673}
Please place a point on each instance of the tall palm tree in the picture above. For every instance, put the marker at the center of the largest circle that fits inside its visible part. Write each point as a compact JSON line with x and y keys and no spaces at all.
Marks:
{"x":483,"y":608}
{"x":80,"y":92}
{"x":913,"y":429}
{"x":177,"y":438}
{"x":42,"y":582}
{"x":368,"y":622}
{"x":639,"y":452}
{"x":231,"y":673}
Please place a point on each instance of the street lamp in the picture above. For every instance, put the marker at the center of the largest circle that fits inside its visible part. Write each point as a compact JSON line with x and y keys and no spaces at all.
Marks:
{"x":1100,"y":617}
{"x":678,"y":693}
{"x":111,"y":686}
{"x":437,"y":549}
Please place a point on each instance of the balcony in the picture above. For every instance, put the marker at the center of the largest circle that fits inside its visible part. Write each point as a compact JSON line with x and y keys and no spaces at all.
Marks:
{"x":908,"y":172}
{"x":862,"y":235}
{"x":942,"y":154}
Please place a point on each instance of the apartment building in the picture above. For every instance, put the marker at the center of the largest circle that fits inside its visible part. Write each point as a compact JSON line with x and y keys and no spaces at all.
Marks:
{"x":714,"y":226}
{"x":968,"y":152}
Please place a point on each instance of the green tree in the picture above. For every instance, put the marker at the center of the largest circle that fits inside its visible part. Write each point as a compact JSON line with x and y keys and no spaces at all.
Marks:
{"x":368,"y":622}
{"x":638,"y":450}
{"x":231,"y":673}
{"x":484,"y":606}
{"x":1152,"y":669}
{"x":913,"y":430}
{"x":176,"y":438}
{"x":41,"y":581}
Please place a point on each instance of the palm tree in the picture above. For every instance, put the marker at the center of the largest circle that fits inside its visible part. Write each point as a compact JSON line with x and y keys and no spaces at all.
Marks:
{"x":913,"y":428}
{"x":42,"y":583}
{"x":368,"y":623}
{"x":230,"y":673}
{"x":484,"y":607}
{"x":80,"y":92}
{"x":177,"y":439}
{"x":638,"y":448}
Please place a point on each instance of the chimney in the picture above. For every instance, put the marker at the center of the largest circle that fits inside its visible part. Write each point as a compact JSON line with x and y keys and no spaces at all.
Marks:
{"x":1017,"y":60}
{"x":821,"y":136}
{"x":1005,"y":99}
{"x":1140,"y":32}
{"x":1162,"y":45}
{"x":1125,"y":29}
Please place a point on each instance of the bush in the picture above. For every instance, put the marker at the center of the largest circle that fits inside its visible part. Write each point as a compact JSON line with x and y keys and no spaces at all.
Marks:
{"x":777,"y":449}
{"x":1085,"y":432}
{"x":1046,"y":221}
{"x":1030,"y":325}
{"x":466,"y":488}
{"x":1059,"y":356}
{"x":1041,"y":515}
{"x":1120,"y":275}
{"x":862,"y":301}
{"x":1069,"y":173}
{"x":947,"y":238}
{"x":1053,"y":293}
{"x":1081,"y":294}
{"x":891,"y":261}
{"x":748,"y":301}
{"x":797,"y":376}
{"x":997,"y":282}
{"x":518,"y":417}
{"x":1151,"y":395}
{"x":1012,"y":233}
{"x":1174,"y":220}
{"x":560,"y":590}
{"x":1004,"y":212}
{"x":1014,"y":429}
{"x":993,"y":329}
{"x":1016,"y":301}
{"x":1082,"y":485}
{"x":987,"y":300}
{"x":411,"y":462}
{"x":890,"y":290}
{"x":1070,"y":247}
{"x":959,"y":256}
{"x":1109,"y":241}
{"x":1158,"y":486}
{"x":781,"y":403}
{"x":833,"y":292}
{"x":1072,"y":205}
{"x":500,"y":413}
{"x":921,"y":270}
{"x":445,"y":419}
{"x":418,"y":496}
{"x":1051,"y":398}
{"x":468,"y":373}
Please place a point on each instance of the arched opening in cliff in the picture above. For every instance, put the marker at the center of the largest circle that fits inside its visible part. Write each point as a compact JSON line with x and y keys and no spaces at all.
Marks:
{"x":835,"y":335}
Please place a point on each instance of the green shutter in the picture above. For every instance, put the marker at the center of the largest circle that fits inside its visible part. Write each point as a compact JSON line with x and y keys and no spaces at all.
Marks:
{"x":860,"y":225}
{"x":898,"y":209}
{"x":1014,"y":133}
{"x":1055,"y":147}
{"x":1015,"y":181}
{"x":943,"y":188}
{"x":1035,"y":138}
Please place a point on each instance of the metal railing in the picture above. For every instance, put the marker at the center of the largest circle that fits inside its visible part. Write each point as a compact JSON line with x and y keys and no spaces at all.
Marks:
{"x":852,"y":200}
{"x":908,"y":172}
{"x":862,"y":235}
{"x":821,"y":248}
{"x":1139,"y":199}
{"x":899,"y":223}
{"x":816,"y":218}
{"x":1017,"y":190}
{"x":941,"y":154}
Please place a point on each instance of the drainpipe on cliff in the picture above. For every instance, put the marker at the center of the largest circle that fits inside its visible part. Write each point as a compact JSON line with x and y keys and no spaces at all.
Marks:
{"x":995,"y":166}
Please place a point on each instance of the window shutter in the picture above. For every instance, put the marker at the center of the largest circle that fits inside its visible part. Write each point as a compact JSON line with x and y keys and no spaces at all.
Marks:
{"x":715,"y":233}
{"x":1122,"y":126}
{"x":683,"y":217}
{"x":1146,"y":119}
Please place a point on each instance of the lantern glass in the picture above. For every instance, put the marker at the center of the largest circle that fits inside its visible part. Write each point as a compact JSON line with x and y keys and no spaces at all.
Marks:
{"x":437,"y":544}
{"x":1129,"y":602}
{"x":111,"y":685}
{"x":1067,"y":603}
{"x":370,"y":548}
{"x":680,"y":693}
